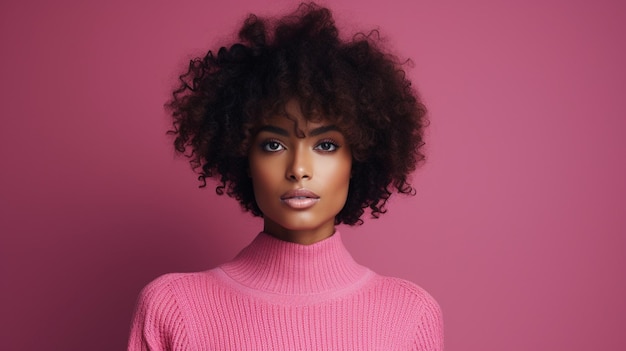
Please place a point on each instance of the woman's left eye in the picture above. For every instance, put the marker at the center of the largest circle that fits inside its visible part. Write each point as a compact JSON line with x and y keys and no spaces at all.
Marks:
{"x":327,"y":146}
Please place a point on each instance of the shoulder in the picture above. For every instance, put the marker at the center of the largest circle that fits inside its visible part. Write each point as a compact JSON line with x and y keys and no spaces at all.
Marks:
{"x":173,"y":285}
{"x":169,"y":293}
{"x":407,"y":291}
{"x":420,"y":310}
{"x":169,"y":280}
{"x":157,"y":295}
{"x":162,"y":301}
{"x":159,"y":316}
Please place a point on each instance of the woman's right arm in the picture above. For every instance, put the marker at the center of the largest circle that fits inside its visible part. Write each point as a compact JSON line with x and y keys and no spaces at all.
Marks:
{"x":157,"y":324}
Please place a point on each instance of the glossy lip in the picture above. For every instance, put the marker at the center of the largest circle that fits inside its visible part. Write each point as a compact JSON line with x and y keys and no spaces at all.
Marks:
{"x":300,"y":199}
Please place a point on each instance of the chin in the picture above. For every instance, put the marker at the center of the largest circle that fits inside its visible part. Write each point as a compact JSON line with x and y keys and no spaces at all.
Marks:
{"x":303,"y":224}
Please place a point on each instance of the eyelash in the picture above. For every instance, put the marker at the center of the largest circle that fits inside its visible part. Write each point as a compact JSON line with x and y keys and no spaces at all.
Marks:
{"x":333,"y":145}
{"x":265,"y":144}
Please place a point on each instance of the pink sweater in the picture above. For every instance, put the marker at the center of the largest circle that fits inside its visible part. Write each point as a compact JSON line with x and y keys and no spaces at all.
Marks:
{"x":277,"y":295}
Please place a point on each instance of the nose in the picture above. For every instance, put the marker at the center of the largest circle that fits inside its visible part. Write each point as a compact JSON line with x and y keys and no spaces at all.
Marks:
{"x":300,"y":165}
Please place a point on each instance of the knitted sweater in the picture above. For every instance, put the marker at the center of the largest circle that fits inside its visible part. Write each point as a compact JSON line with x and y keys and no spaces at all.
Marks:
{"x":277,"y":295}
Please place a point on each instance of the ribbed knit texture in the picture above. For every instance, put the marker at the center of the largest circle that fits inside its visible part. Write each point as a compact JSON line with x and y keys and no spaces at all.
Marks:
{"x":277,"y":295}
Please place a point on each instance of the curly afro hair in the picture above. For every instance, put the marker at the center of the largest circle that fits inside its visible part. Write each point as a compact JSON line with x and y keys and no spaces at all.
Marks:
{"x":354,"y":84}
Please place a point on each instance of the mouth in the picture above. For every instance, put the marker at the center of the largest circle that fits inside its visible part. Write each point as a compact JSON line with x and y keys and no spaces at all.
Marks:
{"x":300,"y":198}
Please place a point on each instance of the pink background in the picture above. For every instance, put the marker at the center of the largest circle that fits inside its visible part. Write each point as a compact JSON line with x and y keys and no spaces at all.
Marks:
{"x":518,"y":228}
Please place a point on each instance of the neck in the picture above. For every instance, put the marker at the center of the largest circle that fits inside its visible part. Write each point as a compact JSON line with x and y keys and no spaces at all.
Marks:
{"x":303,"y":237}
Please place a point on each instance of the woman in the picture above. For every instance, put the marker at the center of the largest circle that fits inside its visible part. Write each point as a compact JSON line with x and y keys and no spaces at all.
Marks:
{"x":306,"y":131}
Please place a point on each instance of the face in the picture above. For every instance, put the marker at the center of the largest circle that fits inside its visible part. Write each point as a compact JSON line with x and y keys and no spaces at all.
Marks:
{"x":301,"y":178}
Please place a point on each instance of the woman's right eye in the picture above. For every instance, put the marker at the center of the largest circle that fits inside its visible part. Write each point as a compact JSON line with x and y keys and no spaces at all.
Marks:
{"x":272,"y":146}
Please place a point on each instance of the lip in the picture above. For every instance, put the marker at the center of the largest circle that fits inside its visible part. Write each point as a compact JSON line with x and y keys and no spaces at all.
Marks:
{"x":300,"y":199}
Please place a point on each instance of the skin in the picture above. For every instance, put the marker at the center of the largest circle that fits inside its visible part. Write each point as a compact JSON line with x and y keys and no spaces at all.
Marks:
{"x":282,"y":160}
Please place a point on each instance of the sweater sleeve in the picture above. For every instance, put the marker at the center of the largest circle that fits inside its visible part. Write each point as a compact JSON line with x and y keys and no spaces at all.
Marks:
{"x":157,"y":324}
{"x":429,"y":336}
{"x":427,"y":326}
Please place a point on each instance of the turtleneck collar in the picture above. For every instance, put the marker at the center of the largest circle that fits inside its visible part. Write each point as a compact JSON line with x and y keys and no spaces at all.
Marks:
{"x":275,"y":266}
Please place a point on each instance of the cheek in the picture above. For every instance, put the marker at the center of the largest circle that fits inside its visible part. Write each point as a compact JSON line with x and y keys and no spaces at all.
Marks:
{"x":338,"y":174}
{"x":260,"y":180}
{"x":259,"y":170}
{"x":264,"y":171}
{"x":264,"y":178}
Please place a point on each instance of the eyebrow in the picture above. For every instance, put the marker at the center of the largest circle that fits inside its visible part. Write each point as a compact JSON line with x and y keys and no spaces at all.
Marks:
{"x":323,"y":129}
{"x":275,"y":130}
{"x":314,"y":132}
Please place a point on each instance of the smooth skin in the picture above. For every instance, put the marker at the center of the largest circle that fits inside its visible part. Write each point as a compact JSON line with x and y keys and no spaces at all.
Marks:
{"x":300,"y":179}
